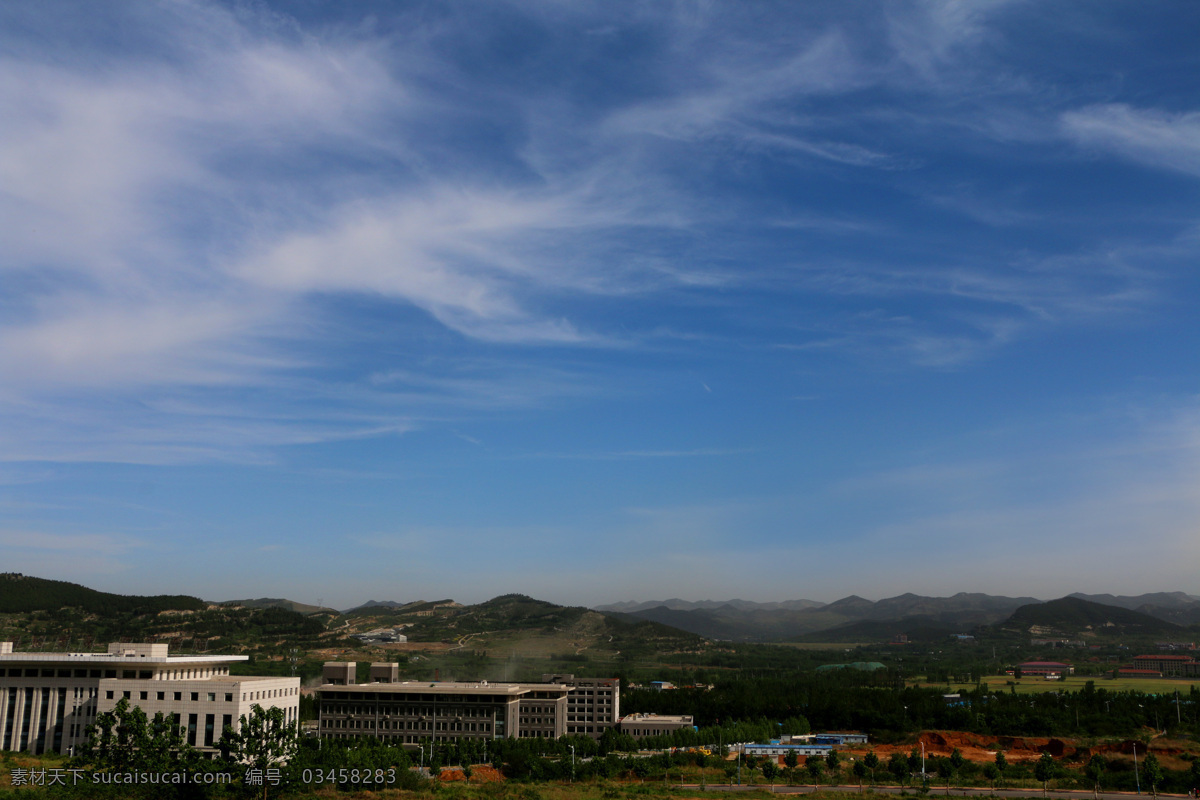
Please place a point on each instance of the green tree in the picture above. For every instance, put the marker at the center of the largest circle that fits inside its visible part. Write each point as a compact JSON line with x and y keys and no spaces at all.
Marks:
{"x":833,"y":760}
{"x":1001,"y":764}
{"x":991,"y":773}
{"x":1154,"y":773}
{"x":125,"y":740}
{"x":1044,"y":770}
{"x":956,"y":762}
{"x":791,"y":760}
{"x":942,"y":767}
{"x":264,"y":740}
{"x":860,"y":771}
{"x":898,"y":766}
{"x":872,"y":762}
{"x":1094,"y":769}
{"x":815,"y":766}
{"x":769,"y":770}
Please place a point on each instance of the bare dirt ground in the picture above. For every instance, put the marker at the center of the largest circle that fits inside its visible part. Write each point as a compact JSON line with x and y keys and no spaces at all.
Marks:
{"x":1019,"y":749}
{"x":480,"y":773}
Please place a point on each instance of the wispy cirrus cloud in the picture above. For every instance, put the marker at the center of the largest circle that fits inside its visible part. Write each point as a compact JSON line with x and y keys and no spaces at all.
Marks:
{"x":1167,"y":140}
{"x":184,"y":214}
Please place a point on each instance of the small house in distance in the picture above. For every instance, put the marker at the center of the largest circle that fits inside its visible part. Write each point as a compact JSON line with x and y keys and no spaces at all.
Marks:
{"x":1045,"y":669}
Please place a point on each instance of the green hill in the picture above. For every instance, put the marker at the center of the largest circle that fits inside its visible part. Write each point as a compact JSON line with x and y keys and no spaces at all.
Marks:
{"x":1073,"y":616}
{"x":23,"y":593}
{"x":278,"y":602}
{"x":917,"y":629}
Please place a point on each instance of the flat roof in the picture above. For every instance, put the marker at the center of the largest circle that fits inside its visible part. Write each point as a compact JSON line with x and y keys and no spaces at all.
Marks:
{"x":447,"y":687}
{"x":221,"y":679}
{"x":110,"y":658}
{"x":1157,"y":657}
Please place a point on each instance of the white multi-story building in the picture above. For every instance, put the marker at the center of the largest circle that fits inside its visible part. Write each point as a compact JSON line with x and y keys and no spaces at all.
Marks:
{"x":47,"y":700}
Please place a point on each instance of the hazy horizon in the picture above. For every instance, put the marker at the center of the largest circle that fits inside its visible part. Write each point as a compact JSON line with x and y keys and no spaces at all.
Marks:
{"x":599,"y":300}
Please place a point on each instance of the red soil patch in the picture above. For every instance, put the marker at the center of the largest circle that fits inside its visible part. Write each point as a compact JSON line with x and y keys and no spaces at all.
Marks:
{"x":480,"y":773}
{"x":1017,"y":749}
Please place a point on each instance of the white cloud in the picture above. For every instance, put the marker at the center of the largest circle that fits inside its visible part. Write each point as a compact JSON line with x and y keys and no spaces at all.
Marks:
{"x":1158,"y":138}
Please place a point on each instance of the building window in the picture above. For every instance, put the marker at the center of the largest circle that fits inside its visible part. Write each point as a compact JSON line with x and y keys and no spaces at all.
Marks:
{"x":229,"y":697}
{"x":126,"y":694}
{"x":108,"y":695}
{"x":212,"y":697}
{"x":144,"y":695}
{"x":178,"y":696}
{"x":195,"y":697}
{"x":161,"y":695}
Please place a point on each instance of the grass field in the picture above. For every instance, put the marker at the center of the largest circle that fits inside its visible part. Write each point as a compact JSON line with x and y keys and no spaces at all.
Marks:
{"x":1075,"y":683}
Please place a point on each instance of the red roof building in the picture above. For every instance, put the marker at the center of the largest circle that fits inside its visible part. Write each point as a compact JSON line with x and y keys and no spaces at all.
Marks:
{"x":1045,"y":668}
{"x":1168,"y":665}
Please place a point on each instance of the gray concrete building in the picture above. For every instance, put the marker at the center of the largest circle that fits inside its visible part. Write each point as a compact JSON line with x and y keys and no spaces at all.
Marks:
{"x":411,"y":712}
{"x":641,"y":725}
{"x":593,"y":704}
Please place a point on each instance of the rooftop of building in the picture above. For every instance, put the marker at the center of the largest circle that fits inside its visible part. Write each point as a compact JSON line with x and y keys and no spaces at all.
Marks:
{"x":118,"y":653}
{"x":448,"y":687}
{"x":224,"y":680}
{"x":1158,"y":657}
{"x":657,"y":718}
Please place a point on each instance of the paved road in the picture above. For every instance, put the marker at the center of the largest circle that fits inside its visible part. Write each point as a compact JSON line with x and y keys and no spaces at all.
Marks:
{"x":936,"y":792}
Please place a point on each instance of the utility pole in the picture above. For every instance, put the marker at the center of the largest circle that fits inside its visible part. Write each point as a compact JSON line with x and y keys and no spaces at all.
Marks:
{"x":1137,"y":778}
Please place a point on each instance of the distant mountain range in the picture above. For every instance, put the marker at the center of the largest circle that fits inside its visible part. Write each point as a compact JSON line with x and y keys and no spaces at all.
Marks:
{"x":855,"y":618}
{"x":675,"y":604}
{"x":627,"y":626}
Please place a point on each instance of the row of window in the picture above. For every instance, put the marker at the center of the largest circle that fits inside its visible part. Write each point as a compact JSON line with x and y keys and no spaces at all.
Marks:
{"x":408,"y":711}
{"x":211,"y":697}
{"x":47,"y":672}
{"x":544,"y":721}
{"x":385,"y":697}
{"x":406,"y":725}
{"x":265,"y":694}
{"x":131,"y":674}
{"x":407,"y":739}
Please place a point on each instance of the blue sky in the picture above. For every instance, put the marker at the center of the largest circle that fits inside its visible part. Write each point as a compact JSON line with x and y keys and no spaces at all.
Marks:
{"x":600,"y":301}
